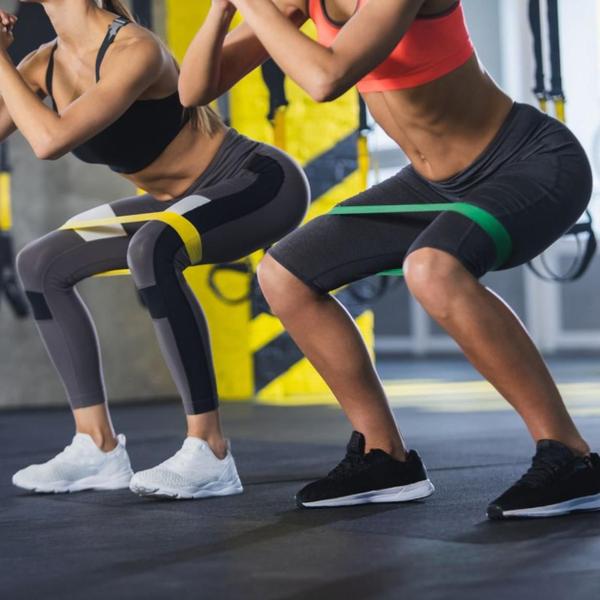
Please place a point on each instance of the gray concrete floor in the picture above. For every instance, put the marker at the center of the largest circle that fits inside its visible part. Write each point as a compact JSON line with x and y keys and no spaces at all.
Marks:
{"x":258,"y":545}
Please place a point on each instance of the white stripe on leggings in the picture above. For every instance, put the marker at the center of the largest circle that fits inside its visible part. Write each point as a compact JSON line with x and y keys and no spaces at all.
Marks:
{"x":188,"y":203}
{"x":98,"y":233}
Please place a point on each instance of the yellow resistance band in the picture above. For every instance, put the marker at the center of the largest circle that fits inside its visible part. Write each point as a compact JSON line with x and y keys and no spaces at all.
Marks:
{"x":186,"y":231}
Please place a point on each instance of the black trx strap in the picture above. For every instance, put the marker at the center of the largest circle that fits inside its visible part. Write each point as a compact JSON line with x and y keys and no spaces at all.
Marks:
{"x":556,"y":92}
{"x":556,"y":88}
{"x":243,"y":267}
{"x":557,"y":95}
{"x":535,"y":21}
{"x":274,"y":79}
{"x":9,"y":286}
{"x":363,"y":120}
{"x":581,"y":263}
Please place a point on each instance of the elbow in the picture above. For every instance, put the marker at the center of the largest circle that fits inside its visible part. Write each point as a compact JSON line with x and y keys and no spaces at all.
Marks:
{"x":42,"y":152}
{"x":325,"y":88}
{"x":187,"y":100}
{"x":324,"y":94}
{"x":192,"y":99}
{"x":46,"y":150}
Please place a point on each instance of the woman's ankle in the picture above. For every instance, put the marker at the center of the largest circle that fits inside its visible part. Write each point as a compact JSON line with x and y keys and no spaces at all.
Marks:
{"x":95,"y":421}
{"x":392,"y":446}
{"x":105,"y":440}
{"x":207,"y":427}
{"x":580,"y":447}
{"x":216,"y":442}
{"x":577,"y":445}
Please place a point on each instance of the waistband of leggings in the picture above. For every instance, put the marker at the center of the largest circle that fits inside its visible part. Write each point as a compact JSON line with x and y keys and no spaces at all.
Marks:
{"x":226,"y":162}
{"x":519,"y":125}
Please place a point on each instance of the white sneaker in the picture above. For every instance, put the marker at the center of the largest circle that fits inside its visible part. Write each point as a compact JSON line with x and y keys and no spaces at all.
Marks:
{"x":80,"y":466}
{"x":192,"y":472}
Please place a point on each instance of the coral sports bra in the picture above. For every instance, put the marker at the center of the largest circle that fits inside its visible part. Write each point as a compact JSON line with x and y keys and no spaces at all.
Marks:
{"x":433,"y":46}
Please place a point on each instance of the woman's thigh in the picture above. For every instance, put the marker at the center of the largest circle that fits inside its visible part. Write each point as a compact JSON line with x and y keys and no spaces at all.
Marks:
{"x":536,"y":200}
{"x":266,"y":200}
{"x":334,"y":250}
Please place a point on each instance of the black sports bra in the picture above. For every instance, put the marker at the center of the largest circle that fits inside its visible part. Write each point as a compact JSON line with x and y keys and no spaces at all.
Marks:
{"x":140,"y":135}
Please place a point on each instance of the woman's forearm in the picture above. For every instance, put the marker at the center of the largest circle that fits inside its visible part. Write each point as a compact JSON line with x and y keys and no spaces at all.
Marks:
{"x":201,"y":68}
{"x":31,"y":116}
{"x":316,"y":71}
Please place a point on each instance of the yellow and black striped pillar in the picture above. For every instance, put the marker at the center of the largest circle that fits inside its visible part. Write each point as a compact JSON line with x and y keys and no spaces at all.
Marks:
{"x":254,"y":356}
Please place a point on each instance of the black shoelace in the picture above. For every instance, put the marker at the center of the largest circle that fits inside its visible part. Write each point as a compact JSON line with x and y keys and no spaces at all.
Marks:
{"x":350,"y":464}
{"x":542,"y":471}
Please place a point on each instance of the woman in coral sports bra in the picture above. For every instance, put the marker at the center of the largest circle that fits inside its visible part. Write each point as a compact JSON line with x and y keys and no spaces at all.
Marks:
{"x":469,"y":145}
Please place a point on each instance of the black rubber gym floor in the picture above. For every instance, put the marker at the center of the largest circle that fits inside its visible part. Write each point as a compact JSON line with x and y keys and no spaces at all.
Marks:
{"x":258,"y":545}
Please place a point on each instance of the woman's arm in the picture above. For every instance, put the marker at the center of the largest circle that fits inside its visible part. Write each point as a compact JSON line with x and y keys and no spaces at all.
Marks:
{"x":201,"y":67}
{"x":216,"y":60}
{"x":326,"y":73}
{"x":51,"y":135}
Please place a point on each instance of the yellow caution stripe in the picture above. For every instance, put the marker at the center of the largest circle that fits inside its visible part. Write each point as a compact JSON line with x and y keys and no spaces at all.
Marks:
{"x":5,"y":211}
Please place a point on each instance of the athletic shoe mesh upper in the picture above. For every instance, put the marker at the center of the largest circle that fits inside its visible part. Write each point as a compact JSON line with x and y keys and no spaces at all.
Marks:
{"x":80,"y":459}
{"x":191,"y":466}
{"x":556,"y":475}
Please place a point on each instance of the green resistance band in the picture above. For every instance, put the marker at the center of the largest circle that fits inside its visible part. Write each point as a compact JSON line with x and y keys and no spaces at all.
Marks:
{"x":483,"y":218}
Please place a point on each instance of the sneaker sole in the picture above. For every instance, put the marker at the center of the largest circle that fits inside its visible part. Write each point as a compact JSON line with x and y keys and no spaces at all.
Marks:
{"x":402,"y":493}
{"x":172,"y":494}
{"x":584,"y":504}
{"x":88,"y":483}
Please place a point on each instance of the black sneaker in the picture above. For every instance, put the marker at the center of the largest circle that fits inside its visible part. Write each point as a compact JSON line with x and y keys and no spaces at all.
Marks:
{"x":558,"y":483}
{"x":364,"y":478}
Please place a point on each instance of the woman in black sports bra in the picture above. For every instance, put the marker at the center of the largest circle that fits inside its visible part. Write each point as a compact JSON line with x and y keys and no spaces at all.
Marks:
{"x":113,"y":88}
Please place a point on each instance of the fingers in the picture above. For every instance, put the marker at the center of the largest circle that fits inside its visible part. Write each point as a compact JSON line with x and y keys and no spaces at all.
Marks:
{"x":7,"y":20}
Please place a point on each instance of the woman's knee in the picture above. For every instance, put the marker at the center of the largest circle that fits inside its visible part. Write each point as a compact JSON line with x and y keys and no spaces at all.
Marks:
{"x":433,"y":277}
{"x":34,"y":261}
{"x":147,"y":248}
{"x":283,"y":291}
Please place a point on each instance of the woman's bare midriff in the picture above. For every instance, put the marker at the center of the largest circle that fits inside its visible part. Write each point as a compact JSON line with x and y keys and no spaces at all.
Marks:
{"x":182,"y":162}
{"x":445,"y":125}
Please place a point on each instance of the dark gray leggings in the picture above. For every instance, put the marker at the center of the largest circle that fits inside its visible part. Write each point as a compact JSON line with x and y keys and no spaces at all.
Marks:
{"x":534,"y":178}
{"x":250,"y":196}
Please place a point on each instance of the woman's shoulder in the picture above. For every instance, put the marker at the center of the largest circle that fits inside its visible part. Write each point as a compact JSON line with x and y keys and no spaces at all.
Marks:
{"x":135,"y":41}
{"x":138,"y":37}
{"x":34,"y":66}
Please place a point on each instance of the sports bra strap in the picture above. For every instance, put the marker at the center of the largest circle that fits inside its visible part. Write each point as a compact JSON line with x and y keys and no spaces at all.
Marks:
{"x":111,"y":35}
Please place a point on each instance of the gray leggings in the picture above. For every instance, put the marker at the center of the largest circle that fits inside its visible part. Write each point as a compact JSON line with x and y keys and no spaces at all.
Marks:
{"x":250,"y":196}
